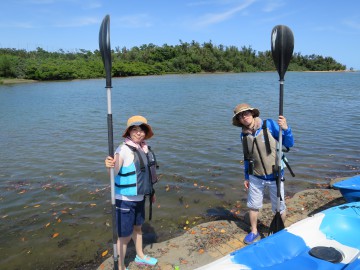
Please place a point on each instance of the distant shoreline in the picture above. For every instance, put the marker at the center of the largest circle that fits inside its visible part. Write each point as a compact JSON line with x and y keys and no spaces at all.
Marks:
{"x":348,"y":70}
{"x":9,"y":81}
{"x":16,"y":81}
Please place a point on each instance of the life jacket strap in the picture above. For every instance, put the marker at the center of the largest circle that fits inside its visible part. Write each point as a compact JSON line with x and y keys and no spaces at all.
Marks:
{"x":155,"y":161}
{"x":126,"y":174}
{"x":136,"y":151}
{"x":150,"y":203}
{"x":261,"y":158}
{"x":125,"y":186}
{"x":288,"y":166}
{"x":266,"y":137}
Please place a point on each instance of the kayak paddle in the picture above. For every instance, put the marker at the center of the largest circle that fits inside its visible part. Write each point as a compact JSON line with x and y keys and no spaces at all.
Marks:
{"x":105,"y":50}
{"x":282,"y":47}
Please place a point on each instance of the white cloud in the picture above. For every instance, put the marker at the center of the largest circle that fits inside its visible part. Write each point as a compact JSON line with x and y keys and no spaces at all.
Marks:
{"x":213,"y":18}
{"x":92,"y":5}
{"x":197,"y":3}
{"x":24,"y":25}
{"x":352,"y":24}
{"x":79,"y":22}
{"x":272,"y":5}
{"x":41,"y":2}
{"x":135,"y":21}
{"x":328,"y":28}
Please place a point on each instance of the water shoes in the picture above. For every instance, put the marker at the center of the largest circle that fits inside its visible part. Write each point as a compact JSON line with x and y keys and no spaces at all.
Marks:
{"x":146,"y":261}
{"x":250,"y":238}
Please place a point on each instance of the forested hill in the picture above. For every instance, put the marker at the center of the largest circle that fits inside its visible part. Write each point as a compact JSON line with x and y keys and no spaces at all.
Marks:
{"x":150,"y":60}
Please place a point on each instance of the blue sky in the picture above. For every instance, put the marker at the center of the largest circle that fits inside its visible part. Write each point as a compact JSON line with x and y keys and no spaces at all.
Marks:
{"x":321,"y":27}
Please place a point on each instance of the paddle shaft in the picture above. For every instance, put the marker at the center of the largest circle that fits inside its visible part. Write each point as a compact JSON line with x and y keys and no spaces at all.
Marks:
{"x":110,"y":123}
{"x":279,"y":156}
{"x":104,"y":44}
{"x":112,"y":177}
{"x":282,"y":45}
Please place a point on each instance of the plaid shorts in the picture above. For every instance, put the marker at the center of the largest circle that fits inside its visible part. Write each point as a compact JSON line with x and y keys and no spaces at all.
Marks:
{"x":256,"y":193}
{"x":128,"y":214}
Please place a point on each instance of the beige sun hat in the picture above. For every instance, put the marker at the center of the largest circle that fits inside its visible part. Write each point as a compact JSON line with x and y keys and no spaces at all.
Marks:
{"x":138,"y":120}
{"x":242,"y":108}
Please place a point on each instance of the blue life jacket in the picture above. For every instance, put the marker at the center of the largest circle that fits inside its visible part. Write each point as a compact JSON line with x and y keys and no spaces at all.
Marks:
{"x":137,"y":178}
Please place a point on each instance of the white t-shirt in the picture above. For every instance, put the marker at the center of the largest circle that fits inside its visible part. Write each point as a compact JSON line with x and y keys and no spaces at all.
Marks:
{"x":126,"y":154}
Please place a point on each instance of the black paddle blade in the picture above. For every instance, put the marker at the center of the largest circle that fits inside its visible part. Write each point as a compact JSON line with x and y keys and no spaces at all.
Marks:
{"x":105,"y":49}
{"x":276,"y":224}
{"x":282,"y":47}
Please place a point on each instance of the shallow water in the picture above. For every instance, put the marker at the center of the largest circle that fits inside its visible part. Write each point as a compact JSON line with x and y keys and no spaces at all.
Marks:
{"x":54,"y":190}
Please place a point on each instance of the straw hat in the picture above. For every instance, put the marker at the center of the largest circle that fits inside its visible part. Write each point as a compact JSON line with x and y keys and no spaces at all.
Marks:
{"x":242,"y":108}
{"x":138,"y":120}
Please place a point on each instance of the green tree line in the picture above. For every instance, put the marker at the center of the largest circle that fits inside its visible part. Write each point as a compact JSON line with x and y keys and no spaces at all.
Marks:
{"x":150,"y":59}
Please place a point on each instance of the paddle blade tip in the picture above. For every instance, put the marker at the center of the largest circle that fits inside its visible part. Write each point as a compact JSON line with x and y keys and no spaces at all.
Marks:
{"x":277,"y":224}
{"x":282,"y":47}
{"x":105,"y":47}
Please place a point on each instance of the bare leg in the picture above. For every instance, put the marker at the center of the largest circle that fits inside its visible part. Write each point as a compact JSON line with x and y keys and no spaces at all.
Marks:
{"x":253,"y":215}
{"x":122,"y":246}
{"x":283,"y":216}
{"x":138,"y":240}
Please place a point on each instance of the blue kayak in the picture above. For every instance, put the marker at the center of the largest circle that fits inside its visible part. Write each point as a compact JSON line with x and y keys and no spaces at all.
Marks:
{"x":349,"y":188}
{"x":328,"y":240}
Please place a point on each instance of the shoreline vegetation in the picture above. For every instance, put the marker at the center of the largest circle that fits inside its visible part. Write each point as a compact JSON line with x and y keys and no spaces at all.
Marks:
{"x":149,"y":59}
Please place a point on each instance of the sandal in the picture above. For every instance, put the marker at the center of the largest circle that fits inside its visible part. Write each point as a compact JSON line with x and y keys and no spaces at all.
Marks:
{"x":146,"y":261}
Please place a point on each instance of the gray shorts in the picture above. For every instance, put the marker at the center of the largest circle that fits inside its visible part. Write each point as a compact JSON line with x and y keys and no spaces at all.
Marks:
{"x":256,"y":193}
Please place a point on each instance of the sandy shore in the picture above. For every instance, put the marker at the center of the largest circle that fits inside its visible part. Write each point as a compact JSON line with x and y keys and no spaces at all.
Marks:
{"x":207,"y":242}
{"x":15,"y":81}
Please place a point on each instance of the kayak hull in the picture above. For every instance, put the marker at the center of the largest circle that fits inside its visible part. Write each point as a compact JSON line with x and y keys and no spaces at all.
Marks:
{"x":349,"y":188}
{"x":336,"y":228}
